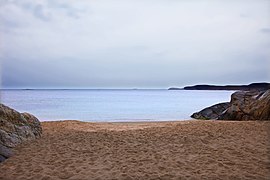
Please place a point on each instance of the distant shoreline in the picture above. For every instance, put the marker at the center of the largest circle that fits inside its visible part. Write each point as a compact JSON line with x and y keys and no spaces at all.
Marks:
{"x":252,"y":86}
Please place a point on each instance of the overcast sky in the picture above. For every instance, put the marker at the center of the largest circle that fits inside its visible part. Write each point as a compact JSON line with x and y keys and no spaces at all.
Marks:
{"x":133,"y":43}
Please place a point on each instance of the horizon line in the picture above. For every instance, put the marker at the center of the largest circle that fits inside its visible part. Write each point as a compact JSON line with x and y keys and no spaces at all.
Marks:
{"x":134,"y":88}
{"x":83,"y":88}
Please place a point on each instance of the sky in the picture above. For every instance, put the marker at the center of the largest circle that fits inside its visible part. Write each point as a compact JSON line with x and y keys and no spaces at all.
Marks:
{"x":133,"y":43}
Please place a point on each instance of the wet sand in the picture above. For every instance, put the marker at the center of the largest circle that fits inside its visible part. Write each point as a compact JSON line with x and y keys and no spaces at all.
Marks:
{"x":156,"y":150}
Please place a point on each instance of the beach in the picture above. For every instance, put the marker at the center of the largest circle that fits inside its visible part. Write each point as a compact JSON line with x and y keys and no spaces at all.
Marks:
{"x":192,"y":149}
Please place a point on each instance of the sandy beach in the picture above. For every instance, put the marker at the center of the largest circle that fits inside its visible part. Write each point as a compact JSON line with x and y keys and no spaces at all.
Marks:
{"x":154,"y":150}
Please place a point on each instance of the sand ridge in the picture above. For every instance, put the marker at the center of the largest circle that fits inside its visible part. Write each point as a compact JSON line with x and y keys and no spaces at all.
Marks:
{"x":157,"y":150}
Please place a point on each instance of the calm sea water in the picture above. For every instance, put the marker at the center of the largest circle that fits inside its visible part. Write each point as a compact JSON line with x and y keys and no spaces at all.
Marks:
{"x":112,"y":105}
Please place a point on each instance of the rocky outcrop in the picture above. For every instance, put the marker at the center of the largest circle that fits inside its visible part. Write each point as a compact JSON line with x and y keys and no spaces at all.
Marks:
{"x":244,"y":105}
{"x":248,"y":105}
{"x":212,"y":112}
{"x":16,"y":128}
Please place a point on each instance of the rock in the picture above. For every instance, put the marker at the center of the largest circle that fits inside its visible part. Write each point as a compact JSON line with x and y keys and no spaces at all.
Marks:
{"x":248,"y":105}
{"x":5,"y":151}
{"x":2,"y":158}
{"x":16,"y":128}
{"x":212,"y":112}
{"x":244,"y":105}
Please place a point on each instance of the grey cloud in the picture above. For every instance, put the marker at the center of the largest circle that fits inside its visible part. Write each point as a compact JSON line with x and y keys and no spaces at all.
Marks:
{"x":46,"y":11}
{"x":7,"y":26}
{"x":133,"y":43}
{"x":243,"y":15}
{"x":39,"y":12}
{"x":70,"y":11}
{"x":118,"y":68}
{"x":265,"y":30}
{"x":5,"y":22}
{"x":35,"y":8}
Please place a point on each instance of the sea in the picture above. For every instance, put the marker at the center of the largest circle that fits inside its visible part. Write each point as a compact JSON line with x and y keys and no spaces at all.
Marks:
{"x":112,"y":105}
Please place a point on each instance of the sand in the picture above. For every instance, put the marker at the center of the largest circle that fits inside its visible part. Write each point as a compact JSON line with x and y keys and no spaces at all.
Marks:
{"x":157,"y":150}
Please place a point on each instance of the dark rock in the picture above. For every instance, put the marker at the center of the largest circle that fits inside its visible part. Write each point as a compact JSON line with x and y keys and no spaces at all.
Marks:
{"x":2,"y":158}
{"x":5,"y":151}
{"x":16,"y":128}
{"x":248,"y":105}
{"x":212,"y":112}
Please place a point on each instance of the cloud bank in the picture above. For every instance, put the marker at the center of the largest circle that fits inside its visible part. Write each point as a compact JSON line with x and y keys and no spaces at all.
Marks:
{"x":133,"y":43}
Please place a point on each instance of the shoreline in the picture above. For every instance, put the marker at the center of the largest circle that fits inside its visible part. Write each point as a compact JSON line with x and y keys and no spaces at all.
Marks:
{"x":197,"y":149}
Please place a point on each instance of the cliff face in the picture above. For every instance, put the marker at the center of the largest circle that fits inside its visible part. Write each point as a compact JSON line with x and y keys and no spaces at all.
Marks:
{"x":16,"y":128}
{"x":244,"y":105}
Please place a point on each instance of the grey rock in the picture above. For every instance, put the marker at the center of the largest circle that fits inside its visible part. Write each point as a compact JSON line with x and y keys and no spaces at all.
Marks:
{"x":16,"y":128}
{"x":248,"y":105}
{"x":5,"y":152}
{"x":212,"y":112}
{"x":2,"y":158}
{"x":244,"y":105}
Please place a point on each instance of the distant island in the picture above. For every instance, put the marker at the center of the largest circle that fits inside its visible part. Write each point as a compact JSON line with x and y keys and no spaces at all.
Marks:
{"x":252,"y":86}
{"x":175,"y":88}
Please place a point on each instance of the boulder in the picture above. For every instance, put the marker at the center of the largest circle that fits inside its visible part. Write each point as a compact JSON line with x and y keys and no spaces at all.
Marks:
{"x":244,"y":105}
{"x":248,"y":105}
{"x":16,"y":128}
{"x":212,"y":112}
